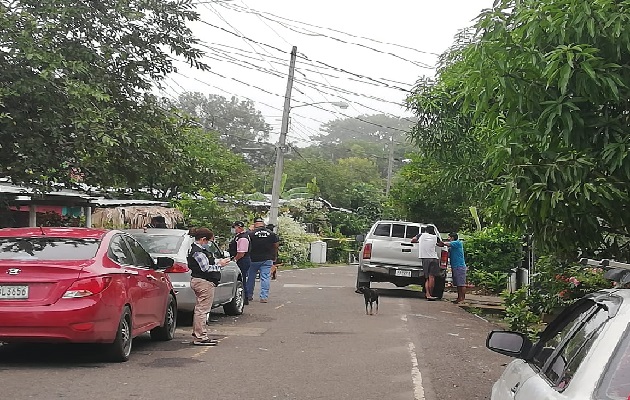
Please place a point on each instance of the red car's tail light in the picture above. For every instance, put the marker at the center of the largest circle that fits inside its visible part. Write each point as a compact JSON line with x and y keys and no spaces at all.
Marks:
{"x":367,"y":251}
{"x":177,"y":268}
{"x":87,"y":287}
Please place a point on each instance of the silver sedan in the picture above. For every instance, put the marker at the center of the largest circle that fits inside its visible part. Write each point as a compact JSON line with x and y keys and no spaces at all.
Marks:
{"x":175,"y":243}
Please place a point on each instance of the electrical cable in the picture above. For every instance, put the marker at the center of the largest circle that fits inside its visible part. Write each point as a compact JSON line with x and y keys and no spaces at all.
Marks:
{"x":237,"y":8}
{"x":239,"y":33}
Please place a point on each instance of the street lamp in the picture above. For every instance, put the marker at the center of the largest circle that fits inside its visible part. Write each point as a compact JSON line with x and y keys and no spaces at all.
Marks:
{"x":277,"y":177}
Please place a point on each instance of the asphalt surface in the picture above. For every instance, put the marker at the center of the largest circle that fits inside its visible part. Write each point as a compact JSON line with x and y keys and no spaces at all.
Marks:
{"x":311,"y":341}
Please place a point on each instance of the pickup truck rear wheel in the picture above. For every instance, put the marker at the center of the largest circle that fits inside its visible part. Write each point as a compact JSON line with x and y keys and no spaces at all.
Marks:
{"x":438,"y":288}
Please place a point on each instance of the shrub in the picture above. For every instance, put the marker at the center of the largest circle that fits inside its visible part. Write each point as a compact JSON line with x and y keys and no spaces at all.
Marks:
{"x":494,"y":282}
{"x":557,"y":284}
{"x":493,"y":250}
{"x":518,"y":312}
{"x":294,"y":241}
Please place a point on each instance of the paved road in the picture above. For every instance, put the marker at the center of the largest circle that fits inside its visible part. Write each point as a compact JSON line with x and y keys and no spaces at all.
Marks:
{"x":311,"y":341}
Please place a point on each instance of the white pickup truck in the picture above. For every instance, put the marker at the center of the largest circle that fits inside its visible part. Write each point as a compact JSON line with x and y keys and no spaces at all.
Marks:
{"x":387,"y":255}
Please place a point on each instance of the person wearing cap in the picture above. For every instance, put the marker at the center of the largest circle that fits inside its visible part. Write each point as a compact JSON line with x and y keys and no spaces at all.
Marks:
{"x":263,"y":251}
{"x":205,"y":277}
{"x":239,"y":252}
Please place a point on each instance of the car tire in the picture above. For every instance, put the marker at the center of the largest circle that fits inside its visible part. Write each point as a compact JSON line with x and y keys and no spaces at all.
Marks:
{"x":438,"y":289}
{"x":236,"y":306}
{"x":120,"y":349}
{"x":167,"y":330}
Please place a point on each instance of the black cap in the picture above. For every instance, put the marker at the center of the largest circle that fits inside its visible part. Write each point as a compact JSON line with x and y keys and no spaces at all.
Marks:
{"x":258,"y":219}
{"x":238,"y":223}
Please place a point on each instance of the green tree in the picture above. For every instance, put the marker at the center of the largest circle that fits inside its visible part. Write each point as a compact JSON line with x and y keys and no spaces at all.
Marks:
{"x":335,"y":180}
{"x":75,"y":78}
{"x":367,"y":136}
{"x":241,"y":127}
{"x":544,"y":87}
{"x":421,"y":193}
{"x":177,"y":157}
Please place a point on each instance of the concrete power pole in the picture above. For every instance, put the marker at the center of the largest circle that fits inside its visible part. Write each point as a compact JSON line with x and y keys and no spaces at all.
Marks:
{"x":277,"y":176}
{"x":390,"y":163}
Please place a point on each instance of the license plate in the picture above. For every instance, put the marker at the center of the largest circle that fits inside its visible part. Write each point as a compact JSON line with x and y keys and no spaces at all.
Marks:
{"x":14,"y":292}
{"x":402,"y":272}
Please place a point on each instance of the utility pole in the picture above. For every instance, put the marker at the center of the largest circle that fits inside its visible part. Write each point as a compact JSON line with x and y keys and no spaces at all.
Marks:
{"x":390,"y":163}
{"x":277,"y":176}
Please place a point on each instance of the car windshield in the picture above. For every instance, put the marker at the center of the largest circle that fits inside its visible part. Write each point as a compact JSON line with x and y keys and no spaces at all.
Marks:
{"x":48,"y":248}
{"x":161,"y":244}
{"x":616,"y":382}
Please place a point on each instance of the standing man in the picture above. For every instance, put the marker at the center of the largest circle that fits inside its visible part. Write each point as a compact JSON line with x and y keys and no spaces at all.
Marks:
{"x":205,"y":277}
{"x":263,"y":251}
{"x":458,"y":265}
{"x":427,"y":241}
{"x":239,"y":252}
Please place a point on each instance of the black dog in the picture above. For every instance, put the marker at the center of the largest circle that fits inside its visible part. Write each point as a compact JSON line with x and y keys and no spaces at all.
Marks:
{"x":371,"y":297}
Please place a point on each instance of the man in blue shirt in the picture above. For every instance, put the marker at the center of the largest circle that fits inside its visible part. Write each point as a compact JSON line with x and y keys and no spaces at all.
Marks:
{"x":458,"y":265}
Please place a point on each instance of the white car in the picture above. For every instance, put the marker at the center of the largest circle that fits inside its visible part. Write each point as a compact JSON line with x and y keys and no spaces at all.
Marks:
{"x":583,"y":354}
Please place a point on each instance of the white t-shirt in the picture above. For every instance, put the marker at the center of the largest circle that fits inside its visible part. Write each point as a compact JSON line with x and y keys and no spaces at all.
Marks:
{"x":426,"y":245}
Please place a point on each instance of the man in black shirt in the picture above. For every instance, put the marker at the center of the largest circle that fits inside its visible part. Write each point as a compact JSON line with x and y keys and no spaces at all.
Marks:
{"x":263,"y":251}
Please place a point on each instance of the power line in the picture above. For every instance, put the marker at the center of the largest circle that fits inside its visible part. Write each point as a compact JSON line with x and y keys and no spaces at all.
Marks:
{"x":303,"y":56}
{"x":378,"y":80}
{"x":307,"y":32}
{"x":239,"y":33}
{"x":244,"y":53}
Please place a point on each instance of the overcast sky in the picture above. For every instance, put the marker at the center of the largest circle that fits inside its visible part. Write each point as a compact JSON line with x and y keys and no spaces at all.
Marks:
{"x":249,"y":44}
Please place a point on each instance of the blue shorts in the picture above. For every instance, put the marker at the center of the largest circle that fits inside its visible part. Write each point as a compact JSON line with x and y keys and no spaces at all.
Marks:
{"x":459,"y":276}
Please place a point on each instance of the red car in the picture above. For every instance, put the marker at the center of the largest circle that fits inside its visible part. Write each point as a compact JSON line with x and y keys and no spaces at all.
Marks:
{"x":82,"y":285}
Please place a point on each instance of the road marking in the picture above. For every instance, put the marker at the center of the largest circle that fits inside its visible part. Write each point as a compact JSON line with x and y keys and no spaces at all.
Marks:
{"x":424,"y":316}
{"x":300,"y":285}
{"x":416,"y":376}
{"x":201,"y":352}
{"x":236,"y":331}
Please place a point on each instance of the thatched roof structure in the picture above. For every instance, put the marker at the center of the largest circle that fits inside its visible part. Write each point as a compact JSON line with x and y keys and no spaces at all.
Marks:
{"x":135,"y":217}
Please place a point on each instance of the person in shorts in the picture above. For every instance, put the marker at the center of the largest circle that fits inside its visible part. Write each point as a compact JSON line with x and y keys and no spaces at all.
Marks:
{"x":427,"y":241}
{"x":458,"y":265}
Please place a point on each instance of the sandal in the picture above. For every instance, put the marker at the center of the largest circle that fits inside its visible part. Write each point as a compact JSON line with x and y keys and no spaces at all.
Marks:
{"x":205,"y":342}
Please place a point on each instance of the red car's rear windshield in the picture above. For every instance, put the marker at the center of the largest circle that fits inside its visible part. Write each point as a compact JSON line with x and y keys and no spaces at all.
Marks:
{"x":161,"y":244}
{"x":616,"y":382}
{"x":47,"y":248}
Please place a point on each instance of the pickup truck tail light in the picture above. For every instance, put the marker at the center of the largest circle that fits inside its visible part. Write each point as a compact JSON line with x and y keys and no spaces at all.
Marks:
{"x":367,"y":251}
{"x":444,"y":259}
